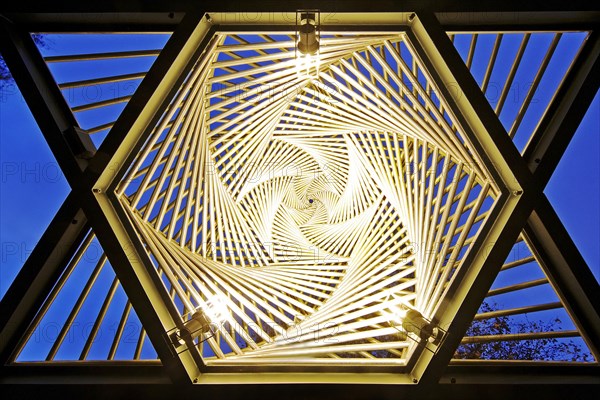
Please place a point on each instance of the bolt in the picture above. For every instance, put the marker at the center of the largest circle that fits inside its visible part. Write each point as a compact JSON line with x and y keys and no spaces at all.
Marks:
{"x":411,"y":17}
{"x":97,"y":190}
{"x":537,"y":160}
{"x":171,"y":15}
{"x":415,"y":380}
{"x":517,"y":192}
{"x":195,"y":380}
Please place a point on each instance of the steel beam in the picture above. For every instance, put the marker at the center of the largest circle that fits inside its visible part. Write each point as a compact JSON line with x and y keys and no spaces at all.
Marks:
{"x":46,"y":102}
{"x":125,"y":252}
{"x":456,"y":391}
{"x":147,"y":380}
{"x":518,"y":21}
{"x":565,"y":112}
{"x":550,"y":141}
{"x":71,"y":148}
{"x":521,"y":373}
{"x":140,"y":6}
{"x":567,"y":270}
{"x":39,"y":274}
{"x":484,"y":260}
{"x":146,"y":372}
{"x":550,"y":241}
{"x":143,"y":111}
{"x":147,"y":15}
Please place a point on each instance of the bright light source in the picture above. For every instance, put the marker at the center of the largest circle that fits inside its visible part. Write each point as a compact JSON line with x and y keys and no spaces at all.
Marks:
{"x":393,"y":306}
{"x":308,"y":36}
{"x":414,"y":322}
{"x":408,"y":320}
{"x":205,"y":319}
{"x":216,"y":310}
{"x":397,"y":314}
{"x":307,"y":64}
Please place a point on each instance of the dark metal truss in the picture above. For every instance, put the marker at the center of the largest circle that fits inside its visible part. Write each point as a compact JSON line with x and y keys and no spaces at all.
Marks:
{"x":84,"y":165}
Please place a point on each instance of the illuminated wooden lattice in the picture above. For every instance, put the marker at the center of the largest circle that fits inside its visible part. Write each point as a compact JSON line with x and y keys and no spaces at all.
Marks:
{"x":310,"y":198}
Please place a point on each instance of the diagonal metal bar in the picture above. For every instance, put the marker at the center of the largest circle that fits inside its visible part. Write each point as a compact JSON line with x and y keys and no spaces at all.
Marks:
{"x":39,"y":274}
{"x":519,"y":192}
{"x":561,"y":260}
{"x":125,"y":251}
{"x":58,"y":125}
{"x":477,"y":118}
{"x":550,"y":141}
{"x":68,"y":143}
{"x":567,"y":271}
{"x":565,"y":112}
{"x":70,"y":147}
{"x":143,"y":289}
{"x":148,"y":103}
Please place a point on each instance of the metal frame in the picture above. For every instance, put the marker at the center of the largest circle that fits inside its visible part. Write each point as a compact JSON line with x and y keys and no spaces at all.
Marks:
{"x":524,"y":176}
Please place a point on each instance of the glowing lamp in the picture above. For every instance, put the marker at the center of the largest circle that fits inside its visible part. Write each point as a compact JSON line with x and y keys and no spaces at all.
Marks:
{"x":213,"y":313}
{"x":308,"y":41}
{"x":414,"y":322}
